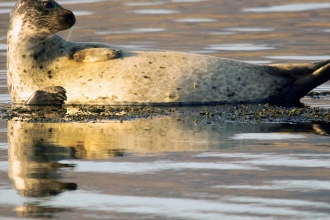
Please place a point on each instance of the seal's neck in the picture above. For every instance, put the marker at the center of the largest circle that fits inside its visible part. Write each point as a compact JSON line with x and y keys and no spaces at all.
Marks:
{"x":29,"y":42}
{"x":22,"y":34}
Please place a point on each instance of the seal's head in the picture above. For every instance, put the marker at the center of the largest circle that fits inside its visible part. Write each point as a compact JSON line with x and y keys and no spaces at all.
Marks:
{"x":41,"y":16}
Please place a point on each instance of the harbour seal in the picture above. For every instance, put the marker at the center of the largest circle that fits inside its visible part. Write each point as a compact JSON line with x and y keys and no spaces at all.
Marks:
{"x":45,"y":69}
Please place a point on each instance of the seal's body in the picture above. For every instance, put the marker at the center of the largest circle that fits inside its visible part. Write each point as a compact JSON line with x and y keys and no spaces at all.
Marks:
{"x":43,"y":68}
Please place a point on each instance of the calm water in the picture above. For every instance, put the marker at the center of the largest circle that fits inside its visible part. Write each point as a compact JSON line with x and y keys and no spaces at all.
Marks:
{"x":166,"y":167}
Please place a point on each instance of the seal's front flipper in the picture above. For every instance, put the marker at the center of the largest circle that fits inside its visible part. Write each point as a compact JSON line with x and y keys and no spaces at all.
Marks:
{"x":93,"y":55}
{"x":52,"y":95}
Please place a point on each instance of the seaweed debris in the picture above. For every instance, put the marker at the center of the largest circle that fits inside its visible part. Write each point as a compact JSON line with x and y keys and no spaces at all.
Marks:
{"x":79,"y":113}
{"x":318,"y":95}
{"x":267,"y":114}
{"x":247,"y":113}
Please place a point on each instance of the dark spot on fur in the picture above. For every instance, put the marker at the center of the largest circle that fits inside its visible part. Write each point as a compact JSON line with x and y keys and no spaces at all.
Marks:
{"x":239,"y":78}
{"x":146,"y":77}
{"x":231,"y":94}
{"x":35,"y":56}
{"x":214,"y":87}
{"x":150,"y":62}
{"x":41,"y":67}
{"x":50,"y":74}
{"x":162,"y":67}
{"x":24,"y":71}
{"x":23,"y":56}
{"x":103,"y":97}
{"x":178,"y":89}
{"x":172,"y":96}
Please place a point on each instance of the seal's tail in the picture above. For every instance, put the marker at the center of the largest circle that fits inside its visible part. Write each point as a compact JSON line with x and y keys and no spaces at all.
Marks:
{"x":305,"y":77}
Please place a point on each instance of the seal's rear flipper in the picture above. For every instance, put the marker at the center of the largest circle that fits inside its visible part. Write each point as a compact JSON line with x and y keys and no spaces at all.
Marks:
{"x":305,"y":77}
{"x":299,"y":69}
{"x":52,"y":95}
{"x":93,"y":55}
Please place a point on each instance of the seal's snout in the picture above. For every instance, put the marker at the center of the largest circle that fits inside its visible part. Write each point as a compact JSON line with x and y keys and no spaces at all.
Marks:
{"x":69,"y":19}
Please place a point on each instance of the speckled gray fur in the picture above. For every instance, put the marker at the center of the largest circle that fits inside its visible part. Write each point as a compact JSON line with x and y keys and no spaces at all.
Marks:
{"x":39,"y":59}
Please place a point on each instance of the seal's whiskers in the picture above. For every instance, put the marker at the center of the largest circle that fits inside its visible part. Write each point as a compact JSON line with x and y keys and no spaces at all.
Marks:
{"x":67,"y":39}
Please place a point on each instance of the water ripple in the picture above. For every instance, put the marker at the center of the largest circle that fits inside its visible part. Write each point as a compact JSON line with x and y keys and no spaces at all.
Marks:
{"x":71,"y":2}
{"x":289,"y":7}
{"x":196,"y":20}
{"x":312,"y":58}
{"x":266,"y":136}
{"x":132,"y":31}
{"x":5,"y":11}
{"x":287,"y":185}
{"x":149,"y":168}
{"x":249,"y":29}
{"x":278,"y":160}
{"x":143,"y":3}
{"x":229,"y":207}
{"x":155,"y":11}
{"x":82,"y":13}
{"x":3,"y":46}
{"x":188,"y":1}
{"x":239,"y":47}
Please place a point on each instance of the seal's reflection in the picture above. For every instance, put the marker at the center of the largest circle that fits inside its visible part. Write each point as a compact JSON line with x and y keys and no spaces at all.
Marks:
{"x":34,"y":168}
{"x":35,"y":149}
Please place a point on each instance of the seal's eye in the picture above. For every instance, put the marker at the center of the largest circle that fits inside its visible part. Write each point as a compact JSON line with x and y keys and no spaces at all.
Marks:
{"x":47,"y":5}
